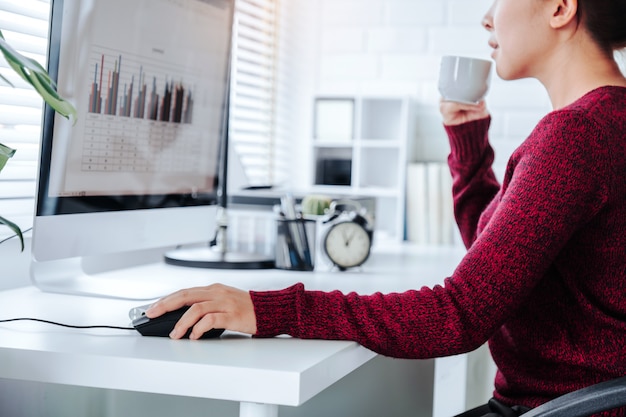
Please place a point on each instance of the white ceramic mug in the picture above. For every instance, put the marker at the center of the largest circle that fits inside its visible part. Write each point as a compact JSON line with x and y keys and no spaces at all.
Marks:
{"x":463,"y":79}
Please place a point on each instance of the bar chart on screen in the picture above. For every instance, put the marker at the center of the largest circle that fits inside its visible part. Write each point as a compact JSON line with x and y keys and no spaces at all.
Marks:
{"x":120,"y":88}
{"x":140,"y":116}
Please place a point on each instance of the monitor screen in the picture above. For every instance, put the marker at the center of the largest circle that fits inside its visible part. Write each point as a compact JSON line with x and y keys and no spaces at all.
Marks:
{"x":138,"y":167}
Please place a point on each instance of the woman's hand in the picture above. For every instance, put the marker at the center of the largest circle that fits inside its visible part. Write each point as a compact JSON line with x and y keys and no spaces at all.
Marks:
{"x":214,"y":307}
{"x":458,"y":113}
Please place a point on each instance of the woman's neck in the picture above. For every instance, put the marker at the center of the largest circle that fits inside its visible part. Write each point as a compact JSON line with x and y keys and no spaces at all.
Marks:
{"x":576,"y":69}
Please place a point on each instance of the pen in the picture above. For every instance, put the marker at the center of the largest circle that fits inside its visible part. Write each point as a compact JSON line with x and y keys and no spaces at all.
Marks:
{"x":297,"y":232}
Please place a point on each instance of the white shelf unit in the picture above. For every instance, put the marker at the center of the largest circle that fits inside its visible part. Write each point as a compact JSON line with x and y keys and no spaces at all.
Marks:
{"x":382,"y":126}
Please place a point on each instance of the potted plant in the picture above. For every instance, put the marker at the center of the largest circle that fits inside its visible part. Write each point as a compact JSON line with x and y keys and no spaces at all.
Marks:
{"x":34,"y":74}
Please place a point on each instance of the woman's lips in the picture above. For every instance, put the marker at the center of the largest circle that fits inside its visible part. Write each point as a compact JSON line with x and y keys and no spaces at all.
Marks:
{"x":494,"y":47}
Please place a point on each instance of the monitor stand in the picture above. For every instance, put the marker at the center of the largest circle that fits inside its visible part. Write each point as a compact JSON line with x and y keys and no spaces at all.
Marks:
{"x":218,"y":256}
{"x":68,"y":276}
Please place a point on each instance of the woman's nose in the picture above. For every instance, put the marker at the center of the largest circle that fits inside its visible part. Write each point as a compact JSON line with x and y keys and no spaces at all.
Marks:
{"x":487,"y":21}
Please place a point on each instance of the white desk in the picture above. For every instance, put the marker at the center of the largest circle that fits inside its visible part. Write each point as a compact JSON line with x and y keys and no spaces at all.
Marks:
{"x":261,"y":374}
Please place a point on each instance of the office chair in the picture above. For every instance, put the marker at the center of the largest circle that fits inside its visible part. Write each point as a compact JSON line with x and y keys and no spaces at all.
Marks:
{"x":594,"y":399}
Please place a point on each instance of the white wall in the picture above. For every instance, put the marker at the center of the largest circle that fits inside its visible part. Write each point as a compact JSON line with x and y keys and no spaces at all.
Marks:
{"x":389,"y":47}
{"x":14,"y":264}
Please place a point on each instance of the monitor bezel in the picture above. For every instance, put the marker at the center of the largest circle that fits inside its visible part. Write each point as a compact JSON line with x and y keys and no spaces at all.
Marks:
{"x":47,"y":205}
{"x":78,"y":248}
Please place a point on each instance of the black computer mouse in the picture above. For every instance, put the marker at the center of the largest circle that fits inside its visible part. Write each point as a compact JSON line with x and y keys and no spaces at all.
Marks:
{"x":163,"y":325}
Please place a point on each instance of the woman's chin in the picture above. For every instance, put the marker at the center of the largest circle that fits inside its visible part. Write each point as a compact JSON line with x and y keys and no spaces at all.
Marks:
{"x":506,"y":74}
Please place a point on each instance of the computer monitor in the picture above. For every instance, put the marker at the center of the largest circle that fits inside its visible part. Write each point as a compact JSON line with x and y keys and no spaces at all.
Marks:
{"x":138,"y":167}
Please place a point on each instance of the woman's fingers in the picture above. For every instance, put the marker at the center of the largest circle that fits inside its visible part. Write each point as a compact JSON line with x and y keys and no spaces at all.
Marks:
{"x":176,"y":300}
{"x":455,"y":113}
{"x":215,"y":306}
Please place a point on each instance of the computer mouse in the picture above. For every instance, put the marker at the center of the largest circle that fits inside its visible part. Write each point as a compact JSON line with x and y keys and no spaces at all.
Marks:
{"x":164,"y":324}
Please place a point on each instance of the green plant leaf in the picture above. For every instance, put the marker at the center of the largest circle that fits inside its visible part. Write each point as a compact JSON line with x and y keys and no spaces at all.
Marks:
{"x":5,"y":154}
{"x":15,"y":228}
{"x":11,"y":54}
{"x":51,"y":97}
{"x":35,"y":75}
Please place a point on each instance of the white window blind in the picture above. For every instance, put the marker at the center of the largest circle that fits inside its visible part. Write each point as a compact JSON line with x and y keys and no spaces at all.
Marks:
{"x":24,"y":24}
{"x":253,"y":97}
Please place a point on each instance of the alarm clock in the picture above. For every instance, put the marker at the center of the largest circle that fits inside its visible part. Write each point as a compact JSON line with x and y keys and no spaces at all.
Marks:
{"x":348,"y":238}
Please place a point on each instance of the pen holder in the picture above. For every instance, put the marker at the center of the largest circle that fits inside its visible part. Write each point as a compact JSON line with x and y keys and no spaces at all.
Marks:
{"x":295,"y":244}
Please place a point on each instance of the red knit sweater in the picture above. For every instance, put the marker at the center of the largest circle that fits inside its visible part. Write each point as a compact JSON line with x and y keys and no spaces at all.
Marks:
{"x":544,"y":278}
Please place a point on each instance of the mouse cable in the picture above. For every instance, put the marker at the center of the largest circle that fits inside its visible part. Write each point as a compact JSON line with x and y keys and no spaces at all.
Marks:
{"x":68,"y":325}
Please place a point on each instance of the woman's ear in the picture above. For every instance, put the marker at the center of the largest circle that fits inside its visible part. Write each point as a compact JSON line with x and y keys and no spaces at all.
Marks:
{"x":563,"y":13}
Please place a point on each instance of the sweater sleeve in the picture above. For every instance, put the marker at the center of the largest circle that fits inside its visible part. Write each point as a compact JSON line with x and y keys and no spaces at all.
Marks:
{"x":474,"y":184}
{"x":558,"y":182}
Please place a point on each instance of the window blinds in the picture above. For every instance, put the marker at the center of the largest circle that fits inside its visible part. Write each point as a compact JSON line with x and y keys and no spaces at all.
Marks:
{"x":253,"y":97}
{"x":24,"y":24}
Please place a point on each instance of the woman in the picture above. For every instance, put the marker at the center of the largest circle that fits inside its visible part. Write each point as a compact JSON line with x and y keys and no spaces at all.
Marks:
{"x":544,"y":277}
